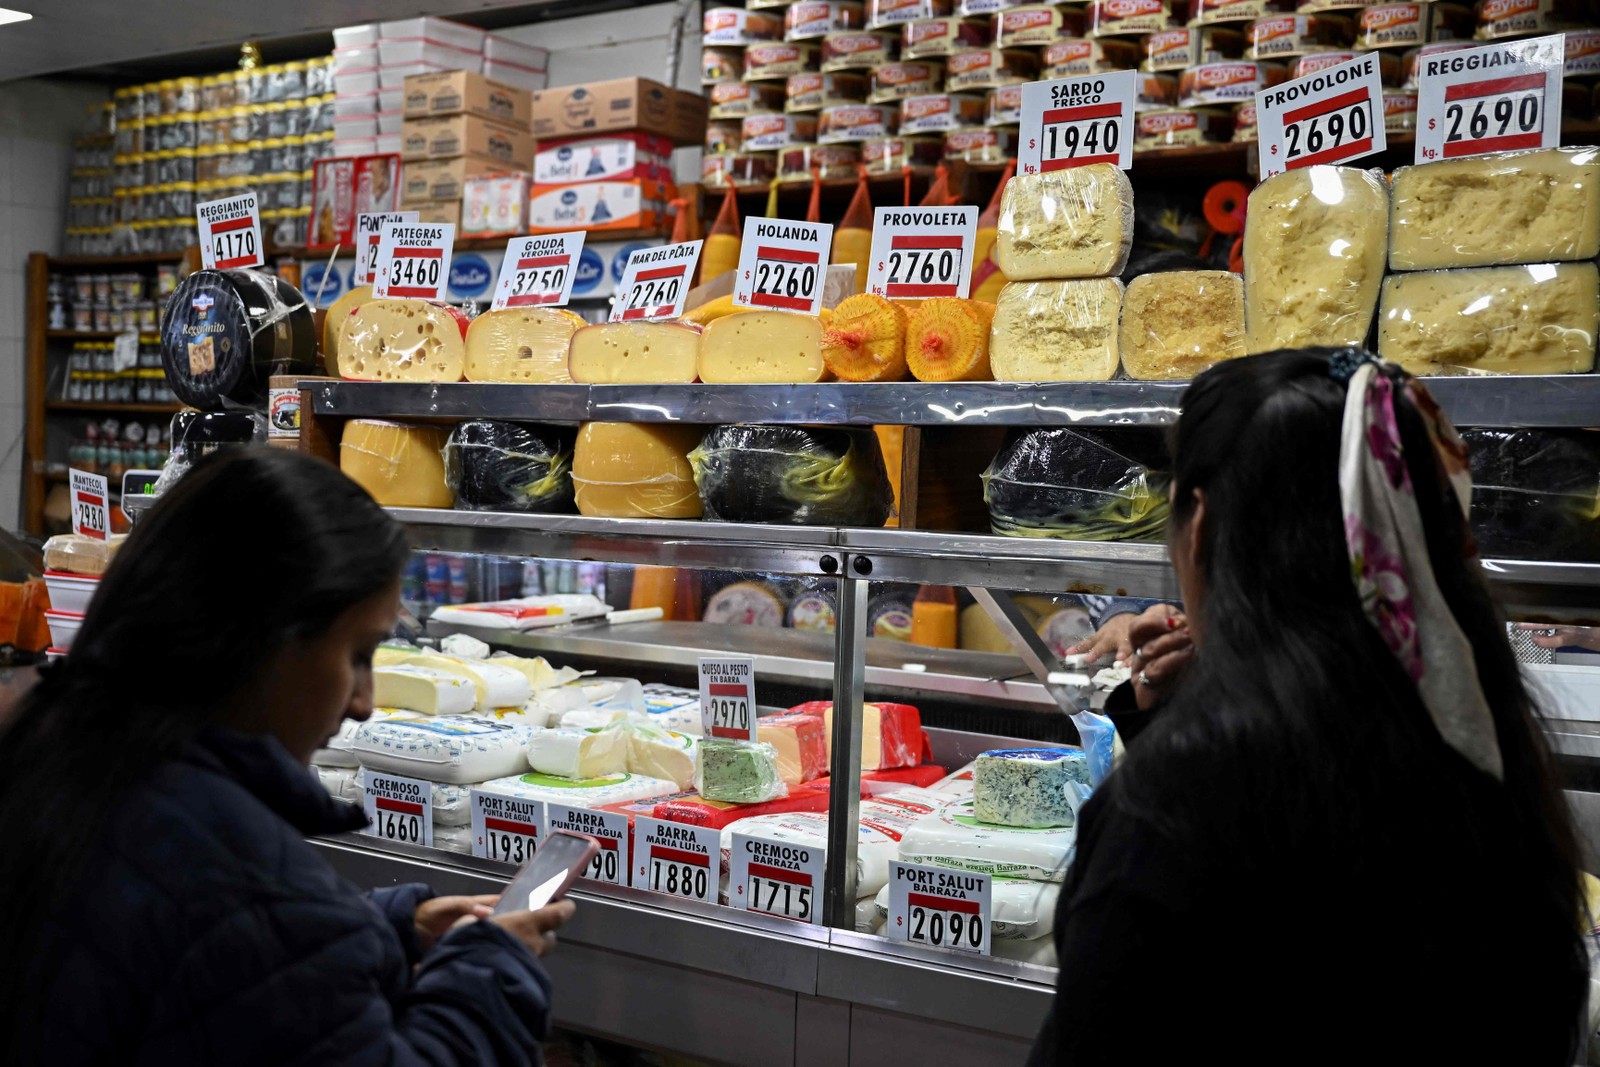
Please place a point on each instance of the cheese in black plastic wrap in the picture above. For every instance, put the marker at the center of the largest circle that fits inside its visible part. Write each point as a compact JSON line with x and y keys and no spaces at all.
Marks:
{"x":1075,"y":485}
{"x":1536,"y":493}
{"x":225,"y":333}
{"x":510,"y":466}
{"x":797,"y":475}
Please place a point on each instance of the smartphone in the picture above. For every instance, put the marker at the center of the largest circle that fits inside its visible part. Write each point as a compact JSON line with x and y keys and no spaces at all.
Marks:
{"x":551,"y":872}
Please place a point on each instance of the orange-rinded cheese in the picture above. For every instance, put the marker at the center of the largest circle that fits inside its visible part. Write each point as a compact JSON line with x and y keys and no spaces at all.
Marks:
{"x":402,"y":466}
{"x":762,"y":347}
{"x":521,"y":345}
{"x":634,"y":353}
{"x":403,"y":341}
{"x":626,"y":470}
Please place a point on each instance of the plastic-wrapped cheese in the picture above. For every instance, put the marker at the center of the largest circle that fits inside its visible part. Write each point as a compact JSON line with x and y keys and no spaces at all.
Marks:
{"x":403,"y":341}
{"x":336,"y":751}
{"x":1075,"y":223}
{"x":635,"y":353}
{"x":1315,"y":242}
{"x":424,"y":689}
{"x":800,"y":475}
{"x":801,"y":742}
{"x":509,"y":466}
{"x":1177,"y":323}
{"x":1514,"y":207}
{"x":696,"y":810}
{"x":581,"y":792}
{"x":881,"y":827}
{"x":1079,"y":485}
{"x":573,"y":752}
{"x":457,"y":749}
{"x":1056,"y":331}
{"x":398,"y":464}
{"x":738,"y":772}
{"x":635,"y":471}
{"x":659,"y":753}
{"x":496,"y":686}
{"x":334,"y":320}
{"x":953,"y":837}
{"x":1536,"y":319}
{"x":762,"y":347}
{"x":225,"y":333}
{"x":1030,"y":786}
{"x":540,"y":674}
{"x":521,"y":345}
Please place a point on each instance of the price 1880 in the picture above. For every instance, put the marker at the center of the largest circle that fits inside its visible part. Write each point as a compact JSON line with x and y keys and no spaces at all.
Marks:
{"x":678,"y":879}
{"x":1328,"y":131}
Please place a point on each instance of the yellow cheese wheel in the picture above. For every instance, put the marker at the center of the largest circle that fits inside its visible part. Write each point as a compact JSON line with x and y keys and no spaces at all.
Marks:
{"x":635,"y":471}
{"x":634,"y":353}
{"x":403,"y":341}
{"x":400,"y":465}
{"x":521,"y":345}
{"x":335,"y":318}
{"x":762,"y":347}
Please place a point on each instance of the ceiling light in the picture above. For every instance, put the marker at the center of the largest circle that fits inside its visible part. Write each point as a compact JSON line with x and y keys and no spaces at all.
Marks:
{"x":8,"y":15}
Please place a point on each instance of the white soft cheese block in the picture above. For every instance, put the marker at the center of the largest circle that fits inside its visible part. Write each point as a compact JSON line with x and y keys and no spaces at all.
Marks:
{"x":540,"y":674}
{"x":952,"y":837}
{"x":521,"y":345}
{"x":495,"y":686}
{"x":1075,"y":223}
{"x":1535,"y":319}
{"x":659,"y":753}
{"x":1315,"y":242}
{"x":762,"y":347}
{"x":1032,"y":787}
{"x":1177,"y":323}
{"x":413,"y":688}
{"x":581,"y":792}
{"x":403,"y":341}
{"x":459,"y":749}
{"x":336,"y":751}
{"x":1513,"y":207}
{"x":464,"y":646}
{"x":1056,"y":331}
{"x":635,"y":353}
{"x":576,"y":752}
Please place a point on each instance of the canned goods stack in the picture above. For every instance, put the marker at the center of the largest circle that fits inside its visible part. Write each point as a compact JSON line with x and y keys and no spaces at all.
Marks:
{"x":96,"y":376}
{"x":109,"y":303}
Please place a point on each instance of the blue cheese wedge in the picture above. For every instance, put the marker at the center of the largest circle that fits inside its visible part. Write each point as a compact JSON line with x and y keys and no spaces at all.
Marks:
{"x":1030,"y":787}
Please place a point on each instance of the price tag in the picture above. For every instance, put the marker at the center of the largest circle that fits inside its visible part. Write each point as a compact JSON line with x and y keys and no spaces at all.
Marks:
{"x":1496,"y":98}
{"x":369,"y":234}
{"x":505,"y":828}
{"x":924,"y":252}
{"x":1332,"y":116}
{"x":940,"y":907}
{"x":678,"y":860}
{"x":90,"y":515}
{"x":728,"y":697}
{"x":230,"y":232}
{"x":538,"y":271}
{"x":655,"y":282}
{"x":137,"y":483}
{"x":399,"y":809}
{"x":782,"y":265}
{"x":775,"y":878}
{"x":414,"y":260}
{"x":610,"y":828}
{"x":1072,"y":122}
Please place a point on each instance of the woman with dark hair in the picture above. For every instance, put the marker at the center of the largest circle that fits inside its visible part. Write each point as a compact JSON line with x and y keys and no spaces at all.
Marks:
{"x":161,"y":903}
{"x":1336,"y":838}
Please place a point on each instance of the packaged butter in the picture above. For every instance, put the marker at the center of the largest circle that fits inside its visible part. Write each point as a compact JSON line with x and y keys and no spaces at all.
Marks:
{"x":1156,"y":91}
{"x":770,"y":62}
{"x":990,"y":68}
{"x":896,"y":81}
{"x":765,"y":133}
{"x":1227,"y":83}
{"x":612,"y":205}
{"x":495,"y":205}
{"x":992,"y":144}
{"x":721,"y":65}
{"x":1111,"y":18}
{"x":1088,"y":55}
{"x":1178,"y":50}
{"x":831,"y":162}
{"x":1181,"y":127}
{"x":1283,"y":36}
{"x":942,"y":37}
{"x":857,"y":122}
{"x":813,"y":92}
{"x":1036,"y":24}
{"x":724,"y":137}
{"x":940,"y":112}
{"x":739,"y":169}
{"x":735,"y":100}
{"x":892,"y":155}
{"x":1412,"y":62}
{"x":1499,"y":19}
{"x":886,"y":13}
{"x":1582,"y":53}
{"x":1244,"y":123}
{"x":817,"y":18}
{"x":1208,"y":12}
{"x":1412,"y":25}
{"x":736,"y":26}
{"x":1005,"y":106}
{"x":859,"y":51}
{"x":1399,"y":110}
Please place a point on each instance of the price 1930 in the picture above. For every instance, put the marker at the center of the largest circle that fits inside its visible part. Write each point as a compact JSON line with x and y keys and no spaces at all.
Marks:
{"x":510,"y":847}
{"x":679,"y":879}
{"x":946,"y":928}
{"x":780,"y":898}
{"x":419,"y":272}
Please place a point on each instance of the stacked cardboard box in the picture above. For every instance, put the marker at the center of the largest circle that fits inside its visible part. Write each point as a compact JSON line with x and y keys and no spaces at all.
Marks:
{"x":459,"y":125}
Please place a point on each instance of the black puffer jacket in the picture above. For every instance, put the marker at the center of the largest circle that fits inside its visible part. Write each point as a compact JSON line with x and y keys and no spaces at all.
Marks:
{"x":207,"y":930}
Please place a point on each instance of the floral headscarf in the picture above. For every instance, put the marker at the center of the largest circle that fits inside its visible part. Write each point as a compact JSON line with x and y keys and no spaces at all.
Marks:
{"x":1389,"y":551}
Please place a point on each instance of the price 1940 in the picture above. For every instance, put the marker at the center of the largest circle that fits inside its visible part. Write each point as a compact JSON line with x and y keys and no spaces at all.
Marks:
{"x":419,"y":272}
{"x":679,"y":879}
{"x":951,"y":927}
{"x":782,"y":898}
{"x":398,"y":826}
{"x":1090,"y":137}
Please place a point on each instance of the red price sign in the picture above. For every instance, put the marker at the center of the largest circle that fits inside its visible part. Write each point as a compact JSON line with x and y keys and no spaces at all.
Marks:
{"x":230,"y":232}
{"x":538,"y":271}
{"x":369,"y":234}
{"x":414,"y":260}
{"x":783,"y":265}
{"x":1073,"y":122}
{"x":1332,"y":116}
{"x":655,"y":282}
{"x":90,"y":512}
{"x":918,"y":253}
{"x":1497,"y":98}
{"x":679,"y":860}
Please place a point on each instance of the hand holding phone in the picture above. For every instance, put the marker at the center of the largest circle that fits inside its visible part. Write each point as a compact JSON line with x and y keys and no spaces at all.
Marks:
{"x":555,"y":866}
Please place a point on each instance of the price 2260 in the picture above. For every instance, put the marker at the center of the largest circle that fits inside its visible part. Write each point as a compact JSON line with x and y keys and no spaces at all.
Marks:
{"x":678,"y":879}
{"x":1486,"y":119}
{"x":946,"y":929}
{"x":414,"y":271}
{"x":1326,"y":132}
{"x":784,"y":279}
{"x":656,"y":292}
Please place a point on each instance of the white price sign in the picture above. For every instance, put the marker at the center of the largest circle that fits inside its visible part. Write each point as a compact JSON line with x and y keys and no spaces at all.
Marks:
{"x":505,"y":828}
{"x":414,"y":260}
{"x":399,"y":809}
{"x":775,"y":878}
{"x":91,"y":514}
{"x":230,"y":232}
{"x":1497,"y":98}
{"x":538,"y":271}
{"x":679,"y":860}
{"x":1332,"y":116}
{"x":1072,"y":122}
{"x":782,"y":265}
{"x":920,"y":252}
{"x":369,"y":234}
{"x":939,"y":906}
{"x":728,"y":697}
{"x":655,"y":282}
{"x":609,"y":828}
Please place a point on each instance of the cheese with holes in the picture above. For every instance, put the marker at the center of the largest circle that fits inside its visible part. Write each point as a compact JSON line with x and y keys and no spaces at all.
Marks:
{"x":635,"y":471}
{"x":801,"y":742}
{"x":494,"y":686}
{"x":1033,"y":787}
{"x":891,"y":734}
{"x":1056,"y":331}
{"x":521,"y":345}
{"x":334,"y":319}
{"x":1315,"y":242}
{"x":400,"y":466}
{"x":635,"y":353}
{"x":1177,"y":323}
{"x":1535,"y":319}
{"x":403,"y":341}
{"x":1515,"y":207}
{"x":575,"y":752}
{"x":1075,"y":223}
{"x":432,"y":692}
{"x":762,"y":347}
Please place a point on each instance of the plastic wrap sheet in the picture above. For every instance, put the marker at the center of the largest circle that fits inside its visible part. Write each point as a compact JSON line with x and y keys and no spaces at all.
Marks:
{"x":1539,"y":318}
{"x":196,"y":434}
{"x":1177,"y":324}
{"x":225,"y":333}
{"x":403,"y":341}
{"x":1075,"y":223}
{"x":635,"y":471}
{"x":510,"y":466}
{"x":520,"y":345}
{"x":1315,"y":242}
{"x":953,"y":837}
{"x":795,"y":475}
{"x":1056,"y":331}
{"x":738,"y":772}
{"x":1075,"y":485}
{"x":400,"y":465}
{"x":1536,"y":493}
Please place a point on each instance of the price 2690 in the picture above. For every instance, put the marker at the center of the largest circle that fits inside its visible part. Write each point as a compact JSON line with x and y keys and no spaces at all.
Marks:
{"x":1328,"y":131}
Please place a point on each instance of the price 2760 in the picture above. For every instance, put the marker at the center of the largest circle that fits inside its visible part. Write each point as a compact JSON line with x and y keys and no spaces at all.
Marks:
{"x":785,"y":279}
{"x":918,"y":267}
{"x":1326,"y":132}
{"x":1475,"y":120}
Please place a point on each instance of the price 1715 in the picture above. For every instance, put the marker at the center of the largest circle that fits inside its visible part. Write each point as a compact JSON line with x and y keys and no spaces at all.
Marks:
{"x":781,"y":898}
{"x":1328,"y":131}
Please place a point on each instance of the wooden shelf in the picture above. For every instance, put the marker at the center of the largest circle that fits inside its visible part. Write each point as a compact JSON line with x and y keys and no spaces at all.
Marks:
{"x":94,"y":335}
{"x":79,"y":262}
{"x":92,"y":407}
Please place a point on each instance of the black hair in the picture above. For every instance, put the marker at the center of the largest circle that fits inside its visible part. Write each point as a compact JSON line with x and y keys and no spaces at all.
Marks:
{"x":250,"y":551}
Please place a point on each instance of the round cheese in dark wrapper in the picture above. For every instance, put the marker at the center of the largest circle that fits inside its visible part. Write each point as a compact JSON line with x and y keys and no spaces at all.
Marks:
{"x":510,"y":466}
{"x":796,"y":475}
{"x":225,"y":333}
{"x":1536,"y":493}
{"x":1076,"y":485}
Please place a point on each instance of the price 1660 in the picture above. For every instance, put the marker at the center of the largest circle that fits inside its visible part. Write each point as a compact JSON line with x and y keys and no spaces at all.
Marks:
{"x":399,"y":826}
{"x":1327,"y":132}
{"x":946,"y":929}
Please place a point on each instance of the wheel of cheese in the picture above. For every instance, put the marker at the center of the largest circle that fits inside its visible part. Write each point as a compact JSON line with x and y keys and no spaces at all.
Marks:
{"x":403,"y":341}
{"x":400,"y":465}
{"x":335,"y":318}
{"x":521,"y":345}
{"x":224,"y":334}
{"x":635,"y":471}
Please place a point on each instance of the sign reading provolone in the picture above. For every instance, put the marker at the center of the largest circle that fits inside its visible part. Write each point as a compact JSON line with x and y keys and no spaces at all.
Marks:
{"x":414,"y":260}
{"x":782,"y":265}
{"x":922,"y":252}
{"x":369,"y":234}
{"x":1332,"y":116}
{"x":655,"y":282}
{"x":538,"y":271}
{"x":230,"y":232}
{"x":1072,"y":122}
{"x":1497,"y":98}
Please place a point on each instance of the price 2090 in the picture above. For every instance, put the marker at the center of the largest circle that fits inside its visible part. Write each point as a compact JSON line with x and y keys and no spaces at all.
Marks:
{"x":946,"y":929}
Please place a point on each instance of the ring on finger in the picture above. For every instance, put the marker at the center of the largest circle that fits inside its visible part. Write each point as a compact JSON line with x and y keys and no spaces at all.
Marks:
{"x":1144,"y":680}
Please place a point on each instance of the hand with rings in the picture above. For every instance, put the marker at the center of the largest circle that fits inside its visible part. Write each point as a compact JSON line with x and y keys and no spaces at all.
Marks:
{"x":1161,"y":650}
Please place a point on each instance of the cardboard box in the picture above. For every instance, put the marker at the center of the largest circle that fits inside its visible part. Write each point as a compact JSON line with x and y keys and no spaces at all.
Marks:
{"x":468,"y":135}
{"x":443,"y":179}
{"x":438,"y":211}
{"x":455,"y":92}
{"x":345,"y":186}
{"x":599,"y":206}
{"x":623,"y":104}
{"x":495,"y":206}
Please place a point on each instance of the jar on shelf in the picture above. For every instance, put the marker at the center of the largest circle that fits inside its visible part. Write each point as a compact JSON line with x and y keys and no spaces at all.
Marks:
{"x":185,"y":130}
{"x":167,"y":94}
{"x":188,"y":94}
{"x":102,"y":317}
{"x":239,"y":128}
{"x":210,"y":94}
{"x":124,"y":207}
{"x":294,"y":118}
{"x":149,"y":168}
{"x":319,"y":76}
{"x":127,"y":103}
{"x":180,"y":195}
{"x":260,"y":158}
{"x":273,"y":122}
{"x":183,"y":164}
{"x":241,"y":87}
{"x":319,"y":116}
{"x":222,"y":126}
{"x":292,"y":78}
{"x":150,"y":97}
{"x":259,"y":83}
{"x":166,"y":280}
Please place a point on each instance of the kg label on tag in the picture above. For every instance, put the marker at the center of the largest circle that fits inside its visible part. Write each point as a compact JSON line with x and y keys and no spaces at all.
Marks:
{"x":538,"y":271}
{"x":655,"y":283}
{"x":1072,"y":122}
{"x":782,"y":265}
{"x":91,"y":515}
{"x":505,"y":828}
{"x":675,"y":859}
{"x":230,"y":232}
{"x":728,"y":697}
{"x":775,"y":877}
{"x":399,"y":809}
{"x":369,"y":234}
{"x":1497,"y":98}
{"x":939,"y":906}
{"x":414,"y":260}
{"x":609,"y":828}
{"x":922,"y":252}
{"x":1332,"y":116}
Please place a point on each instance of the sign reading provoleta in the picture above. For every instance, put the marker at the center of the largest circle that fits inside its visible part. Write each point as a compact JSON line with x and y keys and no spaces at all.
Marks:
{"x":922,"y":252}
